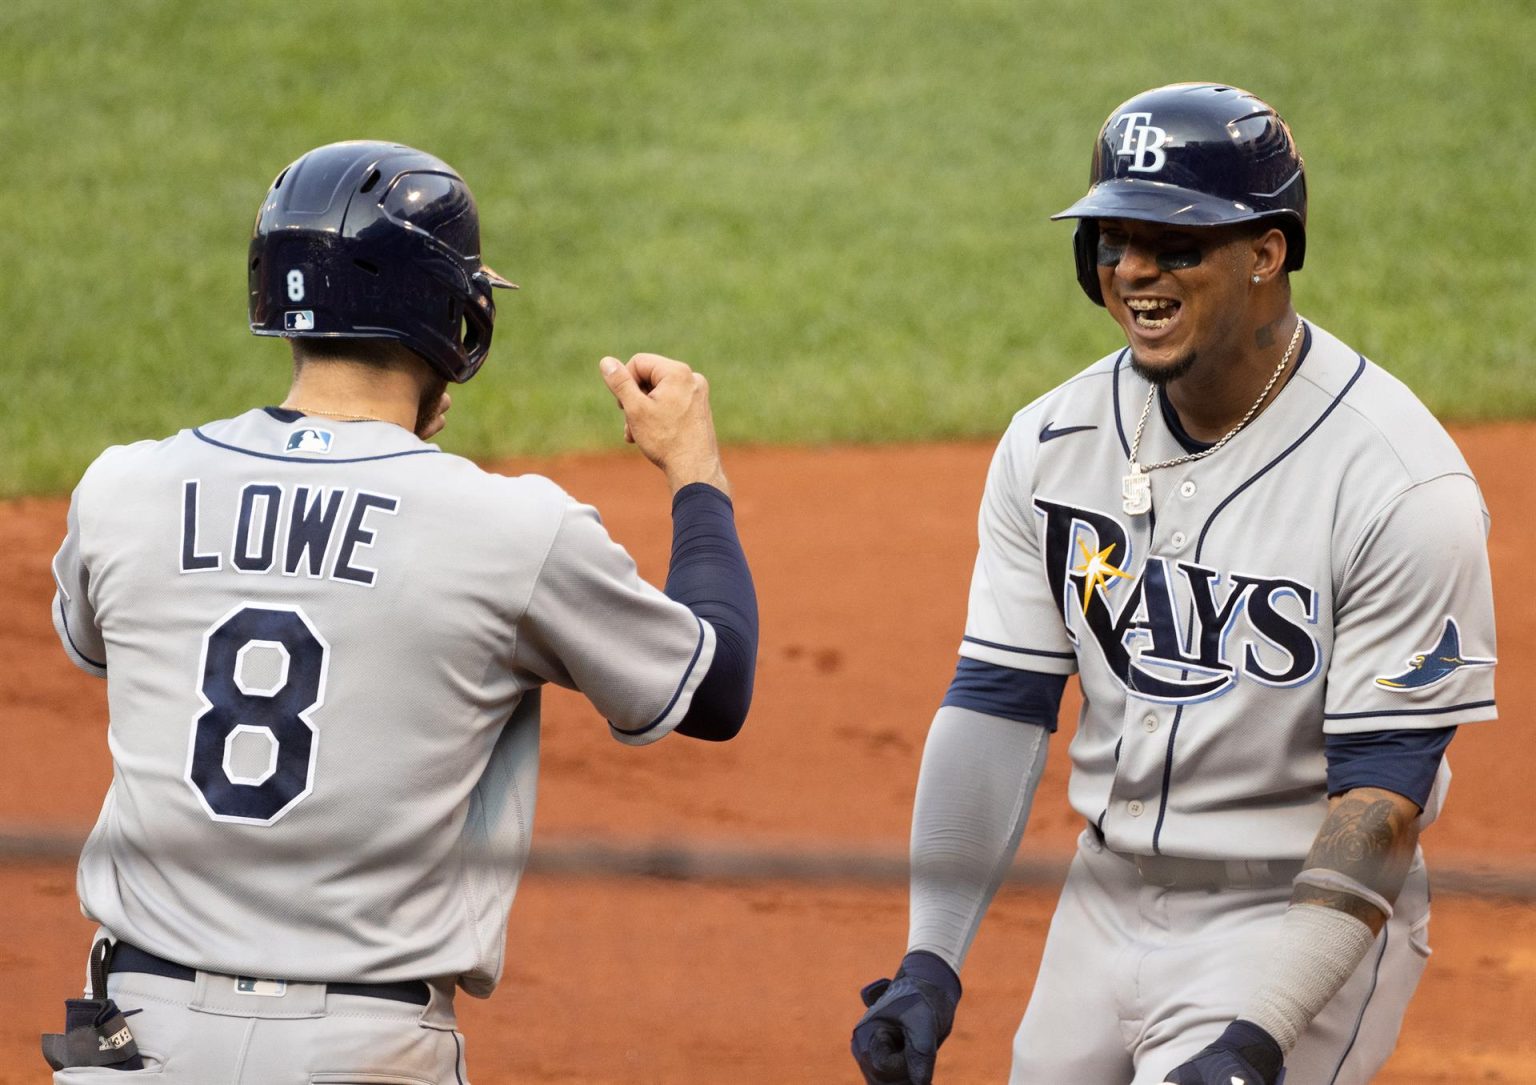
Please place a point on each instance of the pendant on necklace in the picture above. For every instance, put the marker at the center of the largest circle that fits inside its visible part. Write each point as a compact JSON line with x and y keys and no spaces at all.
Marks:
{"x":1136,"y":488}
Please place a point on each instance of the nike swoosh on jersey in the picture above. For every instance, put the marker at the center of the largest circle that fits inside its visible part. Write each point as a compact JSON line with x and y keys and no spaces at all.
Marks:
{"x":1049,"y":434}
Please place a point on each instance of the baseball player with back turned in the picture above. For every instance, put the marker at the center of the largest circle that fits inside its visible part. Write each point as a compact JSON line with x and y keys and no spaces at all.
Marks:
{"x":1266,"y":562}
{"x":324,"y":641}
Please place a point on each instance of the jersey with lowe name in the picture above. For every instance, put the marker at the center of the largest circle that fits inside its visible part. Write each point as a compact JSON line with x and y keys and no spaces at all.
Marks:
{"x":326,"y":644}
{"x":1325,"y":572}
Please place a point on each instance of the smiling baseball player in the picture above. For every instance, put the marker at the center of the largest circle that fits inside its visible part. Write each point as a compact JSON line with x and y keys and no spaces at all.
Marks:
{"x":324,"y":642}
{"x":1266,"y":563}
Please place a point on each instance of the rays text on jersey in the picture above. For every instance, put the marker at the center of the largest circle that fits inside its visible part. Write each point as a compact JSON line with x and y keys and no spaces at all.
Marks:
{"x":316,"y":531}
{"x":1166,"y":631}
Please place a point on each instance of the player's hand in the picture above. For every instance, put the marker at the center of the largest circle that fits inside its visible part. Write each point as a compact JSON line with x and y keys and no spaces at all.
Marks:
{"x":1243,"y":1055}
{"x":666,"y":414}
{"x":897,"y":1040}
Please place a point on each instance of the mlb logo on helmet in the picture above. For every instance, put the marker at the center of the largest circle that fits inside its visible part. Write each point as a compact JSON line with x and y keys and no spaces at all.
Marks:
{"x":298,"y":320}
{"x":310,"y":440}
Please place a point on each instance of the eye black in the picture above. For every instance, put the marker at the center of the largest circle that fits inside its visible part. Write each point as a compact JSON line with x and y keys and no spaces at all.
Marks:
{"x":1177,"y":256}
{"x":1178,"y":259}
{"x":1111,"y":250}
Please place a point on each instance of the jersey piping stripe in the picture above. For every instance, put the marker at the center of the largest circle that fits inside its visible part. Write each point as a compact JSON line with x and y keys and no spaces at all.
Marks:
{"x":458,"y":1058}
{"x":678,"y":692}
{"x":1021,"y":651}
{"x":201,"y":436}
{"x":1386,"y":938}
{"x":1204,"y":531}
{"x":1294,"y":445}
{"x":1407,"y":711}
{"x":64,"y":614}
{"x":1162,"y":809}
{"x":1115,"y":400}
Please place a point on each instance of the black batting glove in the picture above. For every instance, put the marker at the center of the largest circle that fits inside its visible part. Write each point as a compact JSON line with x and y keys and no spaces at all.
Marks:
{"x":1243,"y":1055}
{"x":909,"y":1016}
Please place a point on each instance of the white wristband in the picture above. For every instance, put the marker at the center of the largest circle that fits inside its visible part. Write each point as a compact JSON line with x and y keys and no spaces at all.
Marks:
{"x":1324,"y":878}
{"x":1318,"y":949}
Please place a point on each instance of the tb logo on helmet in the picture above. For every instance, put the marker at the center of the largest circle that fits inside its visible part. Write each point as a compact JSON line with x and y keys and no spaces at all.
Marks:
{"x":1143,"y":141}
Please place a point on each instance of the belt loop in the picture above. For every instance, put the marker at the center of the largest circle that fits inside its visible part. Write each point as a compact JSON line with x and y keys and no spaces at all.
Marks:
{"x":438,"y":1013}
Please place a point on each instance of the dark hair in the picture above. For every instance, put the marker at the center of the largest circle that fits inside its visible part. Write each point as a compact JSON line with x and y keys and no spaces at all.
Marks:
{"x":375,"y":353}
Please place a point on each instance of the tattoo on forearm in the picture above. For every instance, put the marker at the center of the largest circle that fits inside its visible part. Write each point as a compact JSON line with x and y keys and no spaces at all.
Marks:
{"x":1369,"y":839}
{"x":1356,"y":838}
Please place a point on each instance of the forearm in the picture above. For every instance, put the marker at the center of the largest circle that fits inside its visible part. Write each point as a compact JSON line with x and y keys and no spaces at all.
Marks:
{"x":1369,"y":839}
{"x":974,"y":791}
{"x":1342,"y":898}
{"x":708,"y":573}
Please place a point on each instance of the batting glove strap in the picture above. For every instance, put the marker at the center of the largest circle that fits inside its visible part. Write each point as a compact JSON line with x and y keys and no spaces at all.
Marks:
{"x":897,"y":1040}
{"x":931,"y":968}
{"x":1243,"y":1055}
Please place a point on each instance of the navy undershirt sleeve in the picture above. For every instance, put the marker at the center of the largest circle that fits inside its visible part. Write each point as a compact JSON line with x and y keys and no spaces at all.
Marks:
{"x":1025,"y":696}
{"x":708,"y":574}
{"x":1403,"y":762}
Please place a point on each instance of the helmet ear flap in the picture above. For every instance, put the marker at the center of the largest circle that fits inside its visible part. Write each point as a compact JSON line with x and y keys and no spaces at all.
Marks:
{"x":1085,"y":250}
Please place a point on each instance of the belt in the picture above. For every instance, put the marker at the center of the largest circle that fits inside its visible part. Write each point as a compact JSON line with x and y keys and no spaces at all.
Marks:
{"x":126,"y":958}
{"x":1173,"y":872}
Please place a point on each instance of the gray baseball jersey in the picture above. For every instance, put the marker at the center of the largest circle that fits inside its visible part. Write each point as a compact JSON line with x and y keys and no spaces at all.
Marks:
{"x":325,"y":644}
{"x":1324,"y":572}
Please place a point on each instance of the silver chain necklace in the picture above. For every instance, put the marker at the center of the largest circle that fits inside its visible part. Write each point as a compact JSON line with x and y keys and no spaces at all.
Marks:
{"x":1136,"y":487}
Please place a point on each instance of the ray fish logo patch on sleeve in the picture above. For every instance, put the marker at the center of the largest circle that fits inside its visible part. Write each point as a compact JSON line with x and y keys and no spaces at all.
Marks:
{"x":1435,"y":665}
{"x":317,"y":441}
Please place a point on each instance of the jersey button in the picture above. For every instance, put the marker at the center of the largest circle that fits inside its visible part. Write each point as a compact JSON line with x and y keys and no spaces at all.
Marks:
{"x":1187,"y":488}
{"x":1135,"y":808}
{"x":1177,"y":540}
{"x":1149,"y":724}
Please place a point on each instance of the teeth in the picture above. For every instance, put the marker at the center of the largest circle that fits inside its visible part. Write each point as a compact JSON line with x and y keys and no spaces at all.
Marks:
{"x":1143,"y":308}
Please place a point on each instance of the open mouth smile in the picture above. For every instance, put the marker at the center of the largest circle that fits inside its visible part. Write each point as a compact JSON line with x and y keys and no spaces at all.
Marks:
{"x":1152,"y":314}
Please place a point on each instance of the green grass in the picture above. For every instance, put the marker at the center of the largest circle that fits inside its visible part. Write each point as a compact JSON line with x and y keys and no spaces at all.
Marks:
{"x":838,"y":209}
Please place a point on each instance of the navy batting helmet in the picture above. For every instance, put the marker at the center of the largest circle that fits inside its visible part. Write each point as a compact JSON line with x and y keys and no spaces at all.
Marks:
{"x":378,"y":241}
{"x":1192,"y":154}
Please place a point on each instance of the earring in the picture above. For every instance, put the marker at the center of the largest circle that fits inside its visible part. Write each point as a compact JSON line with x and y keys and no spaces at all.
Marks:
{"x":1255,"y":280}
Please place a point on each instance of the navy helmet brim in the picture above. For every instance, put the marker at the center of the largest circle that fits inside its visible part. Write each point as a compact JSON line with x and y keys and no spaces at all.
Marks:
{"x":1155,"y":201}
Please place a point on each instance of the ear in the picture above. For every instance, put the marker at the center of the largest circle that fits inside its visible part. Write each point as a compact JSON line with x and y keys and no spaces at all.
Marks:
{"x":1269,"y":249}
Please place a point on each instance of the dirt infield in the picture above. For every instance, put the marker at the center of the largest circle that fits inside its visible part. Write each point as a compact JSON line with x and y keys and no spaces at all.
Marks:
{"x":862,"y":557}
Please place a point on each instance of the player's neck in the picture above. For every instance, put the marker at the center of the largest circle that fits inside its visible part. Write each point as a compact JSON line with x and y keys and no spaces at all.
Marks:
{"x":1213,"y":398}
{"x":345,"y":391}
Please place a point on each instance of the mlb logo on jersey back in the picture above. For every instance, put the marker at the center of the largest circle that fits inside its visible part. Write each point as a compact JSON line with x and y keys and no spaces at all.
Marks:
{"x":317,"y":441}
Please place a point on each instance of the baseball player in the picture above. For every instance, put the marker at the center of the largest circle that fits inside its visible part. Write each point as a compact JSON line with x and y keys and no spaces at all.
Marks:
{"x":1266,"y":563}
{"x":324,"y":641}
